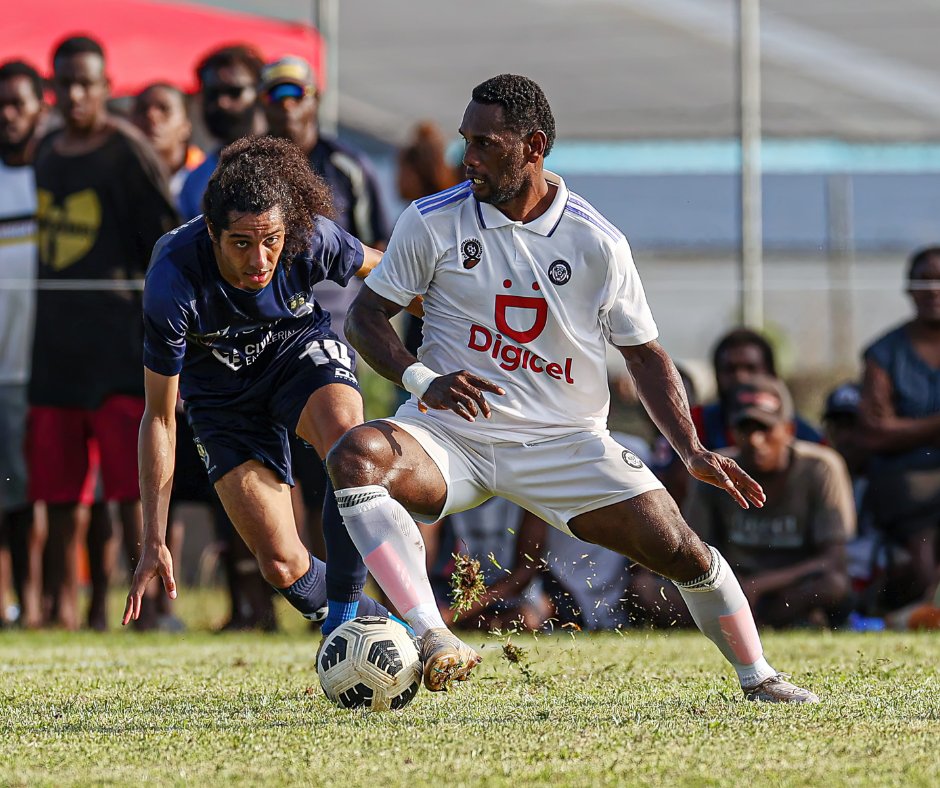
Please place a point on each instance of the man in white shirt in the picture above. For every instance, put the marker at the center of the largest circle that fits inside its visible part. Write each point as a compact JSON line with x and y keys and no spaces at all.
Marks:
{"x":21,"y":111}
{"x":524,"y":283}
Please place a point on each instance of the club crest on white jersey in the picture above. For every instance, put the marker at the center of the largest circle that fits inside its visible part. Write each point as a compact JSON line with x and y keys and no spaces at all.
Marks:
{"x":529,"y":306}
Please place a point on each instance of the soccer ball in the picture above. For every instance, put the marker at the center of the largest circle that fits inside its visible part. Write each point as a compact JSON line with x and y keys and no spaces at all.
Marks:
{"x":369,"y":662}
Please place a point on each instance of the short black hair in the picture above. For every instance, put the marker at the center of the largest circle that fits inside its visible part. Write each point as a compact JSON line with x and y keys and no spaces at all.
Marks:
{"x":20,"y":68}
{"x":920,"y":257}
{"x":744,"y":337}
{"x":525,"y":108}
{"x":256,"y":174}
{"x":176,"y":91}
{"x":232,"y":55}
{"x":77,"y":45}
{"x":162,"y":86}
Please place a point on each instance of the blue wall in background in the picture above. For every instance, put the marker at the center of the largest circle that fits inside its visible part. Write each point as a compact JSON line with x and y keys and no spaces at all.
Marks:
{"x":683,"y":195}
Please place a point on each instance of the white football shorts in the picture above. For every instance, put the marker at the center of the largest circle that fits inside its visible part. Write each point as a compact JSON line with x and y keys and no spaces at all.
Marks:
{"x":555,"y":478}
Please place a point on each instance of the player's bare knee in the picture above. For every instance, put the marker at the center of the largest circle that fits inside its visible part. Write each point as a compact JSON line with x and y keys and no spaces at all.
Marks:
{"x":357,"y":459}
{"x":281,"y":571}
{"x":681,"y":555}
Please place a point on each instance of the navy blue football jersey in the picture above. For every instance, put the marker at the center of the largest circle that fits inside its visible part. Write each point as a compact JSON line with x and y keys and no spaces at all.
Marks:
{"x":221,"y":339}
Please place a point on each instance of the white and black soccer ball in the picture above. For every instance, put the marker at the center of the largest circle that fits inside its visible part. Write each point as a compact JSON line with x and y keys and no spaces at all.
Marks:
{"x":369,"y":662}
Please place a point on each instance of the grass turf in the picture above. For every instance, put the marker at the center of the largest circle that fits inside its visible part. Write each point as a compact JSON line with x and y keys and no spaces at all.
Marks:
{"x":641,"y":708}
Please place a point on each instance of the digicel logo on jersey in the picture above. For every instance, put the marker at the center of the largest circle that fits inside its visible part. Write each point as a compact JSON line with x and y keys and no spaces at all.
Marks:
{"x":512,"y":357}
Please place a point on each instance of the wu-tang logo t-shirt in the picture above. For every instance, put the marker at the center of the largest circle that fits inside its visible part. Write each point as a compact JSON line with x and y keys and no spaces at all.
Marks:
{"x":69,"y":229}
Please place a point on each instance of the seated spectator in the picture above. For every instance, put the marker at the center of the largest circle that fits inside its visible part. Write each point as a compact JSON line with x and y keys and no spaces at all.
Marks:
{"x":790,"y":554}
{"x":739,"y":355}
{"x":843,"y":433}
{"x":523,"y":561}
{"x":900,"y":416}
{"x":508,"y":543}
{"x":586,"y":583}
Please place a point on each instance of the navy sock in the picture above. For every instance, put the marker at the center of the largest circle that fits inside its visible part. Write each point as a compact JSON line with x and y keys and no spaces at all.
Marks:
{"x":308,"y":592}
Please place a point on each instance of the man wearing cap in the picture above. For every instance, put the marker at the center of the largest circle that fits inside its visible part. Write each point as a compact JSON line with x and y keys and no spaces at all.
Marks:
{"x":843,"y":433}
{"x":790,"y":554}
{"x":291,"y":101}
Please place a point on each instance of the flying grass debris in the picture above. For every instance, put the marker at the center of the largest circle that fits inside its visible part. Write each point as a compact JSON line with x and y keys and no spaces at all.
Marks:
{"x":466,"y":583}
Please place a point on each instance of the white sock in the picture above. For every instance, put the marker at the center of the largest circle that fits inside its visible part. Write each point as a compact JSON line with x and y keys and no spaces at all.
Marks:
{"x":393,"y":550}
{"x":721,"y":612}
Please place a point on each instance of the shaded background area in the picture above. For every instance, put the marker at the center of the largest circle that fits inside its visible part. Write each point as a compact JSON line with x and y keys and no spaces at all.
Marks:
{"x":645,"y":102}
{"x":644,"y":93}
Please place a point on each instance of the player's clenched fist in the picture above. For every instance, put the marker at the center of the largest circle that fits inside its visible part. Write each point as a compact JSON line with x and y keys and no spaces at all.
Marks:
{"x":154,"y":562}
{"x":461,"y":392}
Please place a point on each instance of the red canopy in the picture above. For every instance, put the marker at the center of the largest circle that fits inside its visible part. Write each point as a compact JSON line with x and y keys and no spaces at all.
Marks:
{"x":148,"y":41}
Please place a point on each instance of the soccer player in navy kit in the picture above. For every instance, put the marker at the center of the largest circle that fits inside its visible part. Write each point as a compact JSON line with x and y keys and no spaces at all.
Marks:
{"x":231,"y":324}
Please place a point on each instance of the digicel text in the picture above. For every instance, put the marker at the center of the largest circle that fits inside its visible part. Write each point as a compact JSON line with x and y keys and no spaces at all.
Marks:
{"x":511,"y":357}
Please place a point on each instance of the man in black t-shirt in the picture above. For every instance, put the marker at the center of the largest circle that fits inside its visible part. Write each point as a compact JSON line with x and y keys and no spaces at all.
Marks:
{"x":102,"y":204}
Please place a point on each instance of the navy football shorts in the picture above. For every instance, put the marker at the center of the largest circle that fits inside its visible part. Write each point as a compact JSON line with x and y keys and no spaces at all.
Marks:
{"x":258,"y":426}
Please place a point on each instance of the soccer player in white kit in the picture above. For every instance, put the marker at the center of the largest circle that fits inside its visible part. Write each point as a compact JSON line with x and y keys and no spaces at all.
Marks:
{"x":524,"y":283}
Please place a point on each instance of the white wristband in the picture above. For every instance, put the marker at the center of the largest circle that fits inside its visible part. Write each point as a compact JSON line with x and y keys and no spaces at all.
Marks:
{"x":417,"y":378}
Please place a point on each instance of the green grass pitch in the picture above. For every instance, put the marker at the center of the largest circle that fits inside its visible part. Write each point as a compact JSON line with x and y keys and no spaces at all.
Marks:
{"x":635,"y":709}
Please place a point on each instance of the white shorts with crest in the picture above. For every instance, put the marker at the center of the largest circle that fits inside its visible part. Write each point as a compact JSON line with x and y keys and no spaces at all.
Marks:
{"x":555,"y":478}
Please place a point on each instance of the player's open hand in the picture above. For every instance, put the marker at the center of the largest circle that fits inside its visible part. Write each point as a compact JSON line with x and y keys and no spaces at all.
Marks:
{"x":154,"y":562}
{"x":462,"y":392}
{"x":725,"y":473}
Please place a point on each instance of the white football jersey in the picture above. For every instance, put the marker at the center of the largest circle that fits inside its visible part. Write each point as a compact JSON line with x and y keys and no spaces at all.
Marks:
{"x":527,"y":306}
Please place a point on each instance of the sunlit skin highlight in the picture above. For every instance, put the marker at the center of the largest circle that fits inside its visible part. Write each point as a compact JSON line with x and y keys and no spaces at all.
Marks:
{"x":738,"y":364}
{"x":248,"y":250}
{"x":504,"y":167}
{"x":81,"y":90}
{"x":764,"y":449}
{"x":924,"y":290}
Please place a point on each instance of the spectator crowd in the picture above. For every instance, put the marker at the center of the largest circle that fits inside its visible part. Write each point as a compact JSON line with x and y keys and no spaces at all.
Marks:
{"x":848,"y":537}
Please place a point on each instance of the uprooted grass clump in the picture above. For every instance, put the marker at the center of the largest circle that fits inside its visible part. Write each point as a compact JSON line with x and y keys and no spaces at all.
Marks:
{"x":466,"y":584}
{"x":517,"y":656}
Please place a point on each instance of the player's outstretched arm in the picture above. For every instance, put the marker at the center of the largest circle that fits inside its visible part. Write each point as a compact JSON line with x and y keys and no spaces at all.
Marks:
{"x":369,"y":330}
{"x":663,"y":395}
{"x":157,"y":456}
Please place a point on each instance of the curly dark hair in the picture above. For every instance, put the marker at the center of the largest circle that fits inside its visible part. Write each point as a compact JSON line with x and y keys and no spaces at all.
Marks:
{"x":256,"y":174}
{"x":525,"y":108}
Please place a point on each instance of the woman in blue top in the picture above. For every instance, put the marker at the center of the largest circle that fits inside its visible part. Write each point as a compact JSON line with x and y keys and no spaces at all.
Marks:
{"x":900,"y":418}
